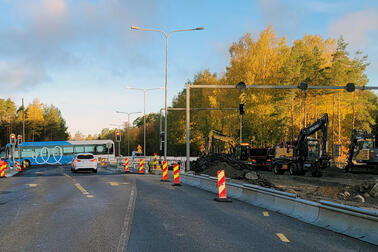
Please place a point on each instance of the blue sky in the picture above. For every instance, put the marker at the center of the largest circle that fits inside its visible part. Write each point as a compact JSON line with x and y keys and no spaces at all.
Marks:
{"x":79,"y":55}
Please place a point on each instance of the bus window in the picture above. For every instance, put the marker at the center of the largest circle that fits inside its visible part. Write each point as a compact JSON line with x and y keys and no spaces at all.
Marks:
{"x":89,"y":148}
{"x":37,"y":151}
{"x":100,"y":149}
{"x":79,"y":149}
{"x":27,"y":152}
{"x":68,"y":150}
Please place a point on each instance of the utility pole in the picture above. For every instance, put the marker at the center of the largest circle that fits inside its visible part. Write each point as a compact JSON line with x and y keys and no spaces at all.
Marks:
{"x":23,"y":119}
{"x":333,"y":128}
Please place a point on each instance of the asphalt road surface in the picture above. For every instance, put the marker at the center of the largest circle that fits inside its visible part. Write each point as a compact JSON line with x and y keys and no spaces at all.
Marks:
{"x":52,"y":209}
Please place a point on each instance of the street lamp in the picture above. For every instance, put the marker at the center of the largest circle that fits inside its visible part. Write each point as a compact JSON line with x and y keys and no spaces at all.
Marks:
{"x":166,"y":72}
{"x":128,"y":128}
{"x":144,"y":112}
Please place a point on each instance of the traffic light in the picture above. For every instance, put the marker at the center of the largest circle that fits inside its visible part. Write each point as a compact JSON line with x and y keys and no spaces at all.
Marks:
{"x":12,"y":139}
{"x":19,"y":139}
{"x":241,"y":108}
{"x":118,"y":136}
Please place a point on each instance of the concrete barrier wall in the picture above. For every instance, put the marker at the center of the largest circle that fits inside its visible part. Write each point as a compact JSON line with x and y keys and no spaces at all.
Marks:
{"x":352,"y":221}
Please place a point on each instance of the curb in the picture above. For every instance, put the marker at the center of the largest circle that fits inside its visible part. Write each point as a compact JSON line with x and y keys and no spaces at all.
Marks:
{"x":356,"y":222}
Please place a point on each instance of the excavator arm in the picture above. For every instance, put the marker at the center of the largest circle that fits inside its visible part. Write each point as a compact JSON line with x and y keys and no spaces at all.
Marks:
{"x":219,"y":136}
{"x":320,"y":124}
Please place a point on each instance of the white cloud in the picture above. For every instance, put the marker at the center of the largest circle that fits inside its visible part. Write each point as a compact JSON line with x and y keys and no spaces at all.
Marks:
{"x":15,"y":76}
{"x":356,"y":28}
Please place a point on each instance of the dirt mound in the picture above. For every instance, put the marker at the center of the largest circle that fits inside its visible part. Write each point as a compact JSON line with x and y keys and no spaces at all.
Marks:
{"x":234,"y":169}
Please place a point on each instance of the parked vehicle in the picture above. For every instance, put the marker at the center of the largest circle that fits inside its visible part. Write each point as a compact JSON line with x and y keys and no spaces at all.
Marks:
{"x":260,"y":158}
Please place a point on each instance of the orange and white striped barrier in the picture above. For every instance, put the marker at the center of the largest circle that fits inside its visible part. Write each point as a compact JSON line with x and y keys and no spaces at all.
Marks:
{"x":222,"y":195}
{"x":141,"y":161}
{"x":176,"y":175}
{"x":18,"y":166}
{"x":3,"y":167}
{"x":127,"y":165}
{"x":165,"y":172}
{"x":102,"y":162}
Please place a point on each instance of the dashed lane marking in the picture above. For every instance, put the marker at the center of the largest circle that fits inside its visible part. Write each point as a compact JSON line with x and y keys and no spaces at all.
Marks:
{"x":282,"y":237}
{"x":89,"y":196}
{"x":82,"y":190}
{"x":32,"y":185}
{"x":265,"y":213}
{"x":114,"y":183}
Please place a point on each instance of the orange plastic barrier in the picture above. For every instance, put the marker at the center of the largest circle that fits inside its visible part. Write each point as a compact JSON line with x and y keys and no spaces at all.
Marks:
{"x":222,"y":195}
{"x":127,"y":165}
{"x":141,"y":161}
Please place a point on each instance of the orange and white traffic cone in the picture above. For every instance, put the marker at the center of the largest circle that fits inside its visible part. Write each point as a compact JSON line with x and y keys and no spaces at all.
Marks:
{"x":165,"y":172}
{"x":18,"y":166}
{"x":176,"y":175}
{"x":222,"y":195}
{"x":141,"y":161}
{"x":127,"y":165}
{"x":3,"y":167}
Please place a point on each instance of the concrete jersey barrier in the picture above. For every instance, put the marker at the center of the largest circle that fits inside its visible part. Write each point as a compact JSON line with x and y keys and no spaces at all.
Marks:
{"x":352,"y":221}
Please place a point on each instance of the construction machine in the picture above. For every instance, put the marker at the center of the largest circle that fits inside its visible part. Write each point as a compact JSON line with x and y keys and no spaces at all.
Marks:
{"x":227,"y":146}
{"x":362,"y":151}
{"x":306,"y":153}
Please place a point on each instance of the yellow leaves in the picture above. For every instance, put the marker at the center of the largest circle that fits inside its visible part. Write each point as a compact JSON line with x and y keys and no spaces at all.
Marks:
{"x":35,"y":112}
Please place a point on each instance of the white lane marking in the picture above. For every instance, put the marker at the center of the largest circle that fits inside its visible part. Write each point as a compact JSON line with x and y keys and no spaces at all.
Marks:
{"x":282,"y":237}
{"x":124,"y":237}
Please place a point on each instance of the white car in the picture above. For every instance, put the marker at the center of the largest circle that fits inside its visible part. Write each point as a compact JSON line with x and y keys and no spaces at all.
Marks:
{"x":84,"y":161}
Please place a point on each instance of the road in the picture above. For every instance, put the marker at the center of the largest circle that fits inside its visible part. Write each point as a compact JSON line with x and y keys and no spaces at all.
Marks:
{"x":51,"y":209}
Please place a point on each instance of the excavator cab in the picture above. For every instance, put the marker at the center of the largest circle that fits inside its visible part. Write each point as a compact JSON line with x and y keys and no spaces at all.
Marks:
{"x":242,"y":151}
{"x":313,"y":150}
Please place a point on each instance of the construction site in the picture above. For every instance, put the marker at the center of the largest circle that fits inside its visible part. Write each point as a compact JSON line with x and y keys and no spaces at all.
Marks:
{"x":303,"y":167}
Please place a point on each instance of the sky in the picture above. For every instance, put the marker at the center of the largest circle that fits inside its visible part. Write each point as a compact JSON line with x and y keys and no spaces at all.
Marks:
{"x":80,"y":55}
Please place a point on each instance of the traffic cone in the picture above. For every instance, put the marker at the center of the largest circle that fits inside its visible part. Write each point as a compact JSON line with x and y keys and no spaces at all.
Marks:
{"x":3,"y":167}
{"x":141,"y":171}
{"x":127,"y":165}
{"x":165,"y":172}
{"x":222,"y":196}
{"x":18,"y":166}
{"x":176,"y":175}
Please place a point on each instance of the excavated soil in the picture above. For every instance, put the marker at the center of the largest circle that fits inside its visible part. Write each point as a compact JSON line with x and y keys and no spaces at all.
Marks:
{"x":335,"y":185}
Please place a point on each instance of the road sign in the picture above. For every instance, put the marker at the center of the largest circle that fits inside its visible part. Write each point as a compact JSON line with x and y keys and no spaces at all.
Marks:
{"x":139,"y":149}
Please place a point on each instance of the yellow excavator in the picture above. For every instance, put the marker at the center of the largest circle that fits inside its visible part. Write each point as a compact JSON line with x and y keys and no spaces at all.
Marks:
{"x":228,"y":146}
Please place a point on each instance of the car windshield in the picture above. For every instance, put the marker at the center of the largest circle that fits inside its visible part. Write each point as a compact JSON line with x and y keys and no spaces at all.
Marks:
{"x":85,"y":156}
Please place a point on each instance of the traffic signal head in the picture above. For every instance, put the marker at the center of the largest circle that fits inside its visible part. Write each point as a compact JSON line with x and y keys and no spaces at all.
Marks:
{"x":118,"y":136}
{"x":12,"y":139}
{"x":241,"y":108}
{"x":19,"y":139}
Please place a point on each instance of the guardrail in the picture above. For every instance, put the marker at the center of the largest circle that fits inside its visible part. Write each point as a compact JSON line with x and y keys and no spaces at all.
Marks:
{"x":352,"y":221}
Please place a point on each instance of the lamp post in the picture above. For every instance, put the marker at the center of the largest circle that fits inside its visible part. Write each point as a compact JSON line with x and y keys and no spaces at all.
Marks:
{"x":144,"y":112}
{"x":166,"y":35}
{"x":128,"y":128}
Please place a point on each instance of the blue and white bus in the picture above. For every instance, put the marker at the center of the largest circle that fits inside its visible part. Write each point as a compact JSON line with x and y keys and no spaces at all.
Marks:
{"x":59,"y":152}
